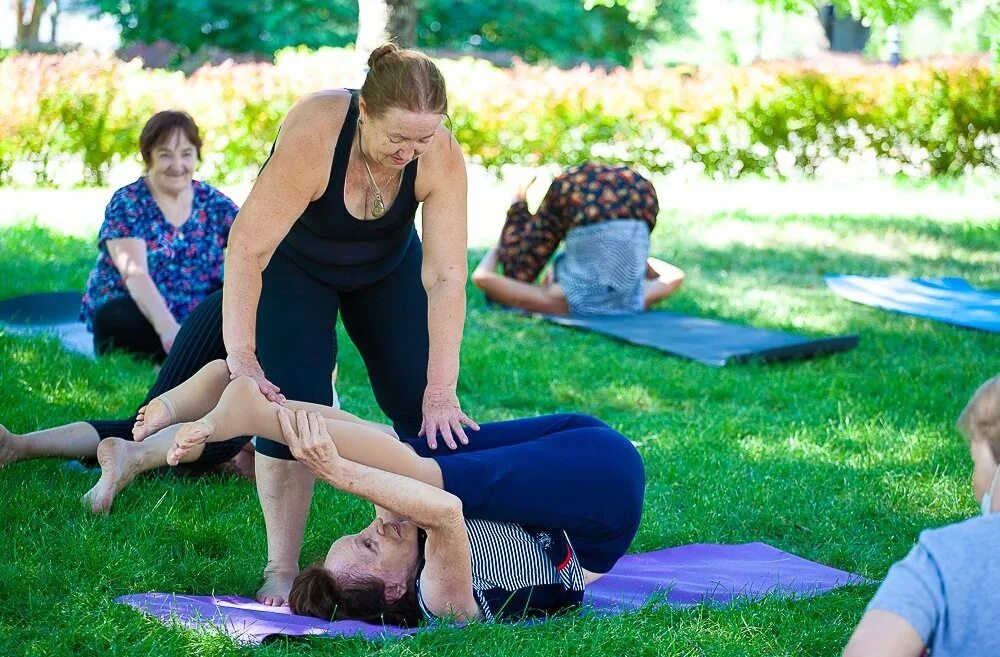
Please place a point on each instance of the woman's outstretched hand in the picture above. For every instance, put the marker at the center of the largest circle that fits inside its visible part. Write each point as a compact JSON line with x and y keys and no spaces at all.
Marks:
{"x":443,"y":414}
{"x":309,"y":440}
{"x":244,"y":363}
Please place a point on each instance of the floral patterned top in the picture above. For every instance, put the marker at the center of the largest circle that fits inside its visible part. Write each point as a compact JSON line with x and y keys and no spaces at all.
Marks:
{"x":184,"y":262}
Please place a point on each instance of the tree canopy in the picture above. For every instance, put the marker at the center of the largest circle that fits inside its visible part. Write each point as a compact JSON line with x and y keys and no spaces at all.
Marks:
{"x":564,"y":31}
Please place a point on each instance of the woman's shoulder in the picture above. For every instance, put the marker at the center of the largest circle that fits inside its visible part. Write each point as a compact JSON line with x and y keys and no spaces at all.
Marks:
{"x":209,"y":193}
{"x":441,"y":163}
{"x":328,"y":107}
{"x":129,"y":199}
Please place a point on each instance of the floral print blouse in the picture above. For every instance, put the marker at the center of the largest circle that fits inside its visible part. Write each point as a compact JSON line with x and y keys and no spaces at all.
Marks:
{"x":184,"y":262}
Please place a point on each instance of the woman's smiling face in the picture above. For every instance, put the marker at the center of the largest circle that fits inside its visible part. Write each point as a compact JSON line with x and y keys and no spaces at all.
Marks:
{"x":172,"y":163}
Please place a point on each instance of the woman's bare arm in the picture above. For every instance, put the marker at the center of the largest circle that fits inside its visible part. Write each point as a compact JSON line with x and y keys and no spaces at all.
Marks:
{"x":884,"y":634}
{"x":129,"y":257}
{"x":297,"y":173}
{"x":662,"y":280}
{"x":444,"y":273}
{"x":446,"y":582}
{"x":513,"y":293}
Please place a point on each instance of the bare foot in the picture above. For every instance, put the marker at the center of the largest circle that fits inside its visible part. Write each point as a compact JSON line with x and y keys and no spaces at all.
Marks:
{"x":277,"y":585}
{"x":118,"y":468}
{"x":9,"y":452}
{"x":188,"y":437}
{"x":157,"y":414}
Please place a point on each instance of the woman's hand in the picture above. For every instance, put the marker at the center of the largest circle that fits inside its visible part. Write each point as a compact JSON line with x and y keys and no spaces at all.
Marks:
{"x":309,"y":441}
{"x":442,"y":413}
{"x":244,"y":363}
{"x":167,"y":337}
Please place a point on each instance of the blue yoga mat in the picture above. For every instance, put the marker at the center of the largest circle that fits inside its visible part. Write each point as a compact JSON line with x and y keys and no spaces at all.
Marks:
{"x":48,"y":313}
{"x":948,"y":300}
{"x":706,"y":341}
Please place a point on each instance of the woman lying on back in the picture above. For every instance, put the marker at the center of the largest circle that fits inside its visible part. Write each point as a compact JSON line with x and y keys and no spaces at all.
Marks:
{"x":514,"y":524}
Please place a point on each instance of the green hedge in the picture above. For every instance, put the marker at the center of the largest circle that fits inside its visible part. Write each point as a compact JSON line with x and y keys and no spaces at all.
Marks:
{"x":926,"y":119}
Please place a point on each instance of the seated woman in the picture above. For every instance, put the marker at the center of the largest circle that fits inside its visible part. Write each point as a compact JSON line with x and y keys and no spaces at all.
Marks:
{"x":605,"y":214}
{"x":514,"y":524}
{"x":160,"y":247}
{"x":198,"y":342}
{"x":942,"y":596}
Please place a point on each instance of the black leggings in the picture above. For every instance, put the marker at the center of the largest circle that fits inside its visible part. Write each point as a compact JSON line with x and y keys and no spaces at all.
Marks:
{"x":198,"y":342}
{"x":120,"y":325}
{"x":387,"y":322}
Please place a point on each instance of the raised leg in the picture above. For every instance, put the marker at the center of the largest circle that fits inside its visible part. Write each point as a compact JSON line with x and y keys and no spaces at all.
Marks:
{"x":242,"y":410}
{"x":189,"y":401}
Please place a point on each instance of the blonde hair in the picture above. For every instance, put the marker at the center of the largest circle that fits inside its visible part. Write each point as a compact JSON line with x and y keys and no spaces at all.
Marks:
{"x":402,"y":78}
{"x":980,"y":420}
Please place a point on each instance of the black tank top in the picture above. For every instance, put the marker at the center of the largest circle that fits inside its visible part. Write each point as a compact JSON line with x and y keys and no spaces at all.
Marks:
{"x":336,"y":248}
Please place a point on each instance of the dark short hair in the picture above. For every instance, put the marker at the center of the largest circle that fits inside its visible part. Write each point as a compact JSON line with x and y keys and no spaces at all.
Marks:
{"x":316,"y":592}
{"x":161,"y":126}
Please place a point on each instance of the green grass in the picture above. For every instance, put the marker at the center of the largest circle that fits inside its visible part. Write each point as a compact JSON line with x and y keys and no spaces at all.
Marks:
{"x":842,"y":460}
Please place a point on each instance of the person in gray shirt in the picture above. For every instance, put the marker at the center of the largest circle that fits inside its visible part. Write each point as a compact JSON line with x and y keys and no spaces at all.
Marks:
{"x":940,"y":599}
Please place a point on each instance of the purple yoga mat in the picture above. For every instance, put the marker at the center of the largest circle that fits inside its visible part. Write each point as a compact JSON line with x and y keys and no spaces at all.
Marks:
{"x":679,"y":576}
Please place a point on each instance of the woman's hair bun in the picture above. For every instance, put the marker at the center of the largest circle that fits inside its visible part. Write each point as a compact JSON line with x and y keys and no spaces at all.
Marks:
{"x":380,"y":52}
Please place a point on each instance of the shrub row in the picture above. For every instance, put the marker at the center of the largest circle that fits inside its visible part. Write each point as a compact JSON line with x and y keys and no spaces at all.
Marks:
{"x":922,"y":119}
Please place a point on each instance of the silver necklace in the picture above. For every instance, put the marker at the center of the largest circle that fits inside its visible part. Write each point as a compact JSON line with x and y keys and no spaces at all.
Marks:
{"x":378,"y":203}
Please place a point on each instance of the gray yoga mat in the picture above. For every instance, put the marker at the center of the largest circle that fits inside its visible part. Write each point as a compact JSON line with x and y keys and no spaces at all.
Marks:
{"x":706,"y":341}
{"x":48,"y":313}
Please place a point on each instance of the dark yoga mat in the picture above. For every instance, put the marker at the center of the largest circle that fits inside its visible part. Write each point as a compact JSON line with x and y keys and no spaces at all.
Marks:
{"x":707,"y":341}
{"x":48,"y":313}
{"x":680,"y":576}
{"x":948,"y":300}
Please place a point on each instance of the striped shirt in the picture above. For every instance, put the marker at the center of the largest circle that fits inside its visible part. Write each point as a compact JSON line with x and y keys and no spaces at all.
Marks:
{"x":520,"y":572}
{"x":603,"y":267}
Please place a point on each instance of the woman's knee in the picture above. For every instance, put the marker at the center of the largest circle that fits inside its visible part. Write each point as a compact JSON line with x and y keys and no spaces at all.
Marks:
{"x":242,"y":388}
{"x":582,"y":421}
{"x":217,"y":368}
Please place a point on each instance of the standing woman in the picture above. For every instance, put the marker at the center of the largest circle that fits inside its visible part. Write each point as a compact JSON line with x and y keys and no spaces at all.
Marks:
{"x":329,"y":227}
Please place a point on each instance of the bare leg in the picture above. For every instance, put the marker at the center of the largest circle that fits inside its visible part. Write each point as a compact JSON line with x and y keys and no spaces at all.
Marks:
{"x":243,"y":411}
{"x":243,"y":463}
{"x":190,"y":400}
{"x":121,"y":460}
{"x":75,"y":440}
{"x":285,"y":491}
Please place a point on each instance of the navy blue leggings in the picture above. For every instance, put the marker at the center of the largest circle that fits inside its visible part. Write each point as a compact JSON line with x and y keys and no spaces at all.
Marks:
{"x":564,"y":472}
{"x":386,"y":321}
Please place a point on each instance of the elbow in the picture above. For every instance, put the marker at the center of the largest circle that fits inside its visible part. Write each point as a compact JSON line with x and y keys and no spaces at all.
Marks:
{"x":452,"y":512}
{"x":243,"y":255}
{"x":453,"y":279}
{"x":481,"y":278}
{"x":136,"y":275}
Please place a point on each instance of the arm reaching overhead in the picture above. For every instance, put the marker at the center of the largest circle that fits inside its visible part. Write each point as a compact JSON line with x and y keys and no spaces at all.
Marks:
{"x":446,"y":581}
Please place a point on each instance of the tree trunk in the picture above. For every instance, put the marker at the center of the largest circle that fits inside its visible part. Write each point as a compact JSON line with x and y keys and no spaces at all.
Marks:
{"x":28,"y":24}
{"x":54,"y":22}
{"x":386,"y":20}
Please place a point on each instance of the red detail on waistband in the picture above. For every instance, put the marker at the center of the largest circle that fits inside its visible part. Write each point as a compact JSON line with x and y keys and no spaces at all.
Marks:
{"x":567,"y":559}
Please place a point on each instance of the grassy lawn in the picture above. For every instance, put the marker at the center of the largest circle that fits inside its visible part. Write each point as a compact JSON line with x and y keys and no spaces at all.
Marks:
{"x":842,"y":460}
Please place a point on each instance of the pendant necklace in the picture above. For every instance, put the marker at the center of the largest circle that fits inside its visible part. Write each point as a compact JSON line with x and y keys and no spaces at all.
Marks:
{"x":378,"y":204}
